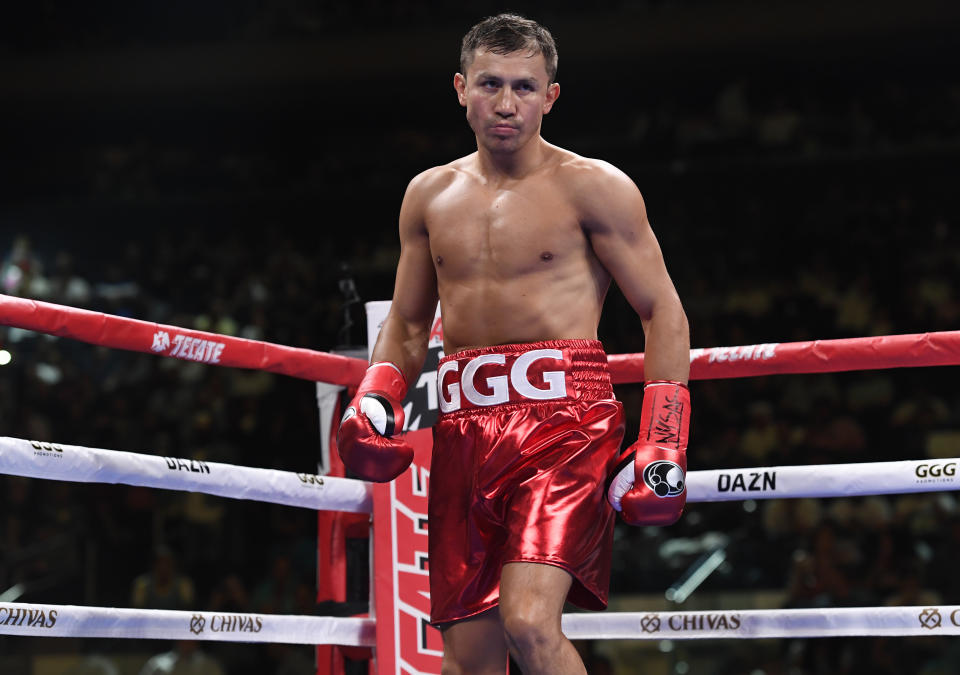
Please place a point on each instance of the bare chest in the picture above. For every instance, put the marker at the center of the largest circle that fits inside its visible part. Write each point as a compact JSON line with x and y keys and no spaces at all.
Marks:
{"x":504,"y":232}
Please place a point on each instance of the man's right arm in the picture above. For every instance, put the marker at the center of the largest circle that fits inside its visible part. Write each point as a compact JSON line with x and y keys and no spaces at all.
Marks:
{"x":404,"y":335}
{"x":368,"y":439}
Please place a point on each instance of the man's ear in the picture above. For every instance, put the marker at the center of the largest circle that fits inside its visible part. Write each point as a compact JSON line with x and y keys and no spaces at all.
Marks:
{"x":553,"y":93}
{"x":460,"y":84}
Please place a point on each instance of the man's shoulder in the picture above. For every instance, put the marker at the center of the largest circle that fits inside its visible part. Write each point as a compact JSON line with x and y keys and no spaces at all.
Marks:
{"x":437,"y":178}
{"x":598,"y":189}
{"x":586,"y":172}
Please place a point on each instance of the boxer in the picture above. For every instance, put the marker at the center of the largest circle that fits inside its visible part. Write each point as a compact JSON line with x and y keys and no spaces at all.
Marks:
{"x":519,"y":242}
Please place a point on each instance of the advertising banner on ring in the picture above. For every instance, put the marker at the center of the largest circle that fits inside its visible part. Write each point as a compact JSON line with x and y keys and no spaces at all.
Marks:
{"x":420,"y":407}
{"x":406,"y":643}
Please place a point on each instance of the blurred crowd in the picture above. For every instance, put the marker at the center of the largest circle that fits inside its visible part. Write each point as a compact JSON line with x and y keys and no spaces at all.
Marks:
{"x":787,"y":210}
{"x":127,"y":546}
{"x":64,"y":24}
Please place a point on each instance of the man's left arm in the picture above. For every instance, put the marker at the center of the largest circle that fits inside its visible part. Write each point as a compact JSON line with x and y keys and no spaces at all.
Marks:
{"x":615,"y":218}
{"x":648,"y":485}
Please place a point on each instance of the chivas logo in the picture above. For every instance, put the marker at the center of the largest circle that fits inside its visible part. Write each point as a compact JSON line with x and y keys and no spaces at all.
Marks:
{"x":705,"y":622}
{"x":235,"y":623}
{"x":930,"y":618}
{"x":11,"y":615}
{"x":197,"y":623}
{"x":650,"y":623}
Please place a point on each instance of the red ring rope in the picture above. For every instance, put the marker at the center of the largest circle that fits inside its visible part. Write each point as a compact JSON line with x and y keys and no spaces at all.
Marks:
{"x":192,"y":345}
{"x":815,"y":356}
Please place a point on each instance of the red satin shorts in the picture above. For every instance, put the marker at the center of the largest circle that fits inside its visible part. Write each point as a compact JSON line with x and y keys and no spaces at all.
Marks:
{"x":526,"y":438}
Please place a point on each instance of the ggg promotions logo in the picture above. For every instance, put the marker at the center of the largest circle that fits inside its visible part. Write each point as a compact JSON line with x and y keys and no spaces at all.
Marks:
{"x":664,"y":477}
{"x":46,"y":449}
{"x":930,"y":618}
{"x":936,"y":473}
{"x":310,"y":480}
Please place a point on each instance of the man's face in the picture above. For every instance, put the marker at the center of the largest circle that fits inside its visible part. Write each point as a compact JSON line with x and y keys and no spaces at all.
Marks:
{"x":506,"y":97}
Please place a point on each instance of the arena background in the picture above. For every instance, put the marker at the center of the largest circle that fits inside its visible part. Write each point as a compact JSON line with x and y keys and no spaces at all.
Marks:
{"x":238,"y":166}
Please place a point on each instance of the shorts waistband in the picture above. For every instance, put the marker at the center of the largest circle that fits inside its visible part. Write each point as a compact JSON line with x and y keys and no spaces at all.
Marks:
{"x":491,"y":378}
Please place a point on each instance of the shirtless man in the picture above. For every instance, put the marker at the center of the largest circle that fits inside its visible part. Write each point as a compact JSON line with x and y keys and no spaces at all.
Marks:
{"x":519,"y":242}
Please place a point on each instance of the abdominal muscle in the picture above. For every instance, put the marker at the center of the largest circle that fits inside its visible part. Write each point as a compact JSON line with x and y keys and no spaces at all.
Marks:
{"x":531,"y":308}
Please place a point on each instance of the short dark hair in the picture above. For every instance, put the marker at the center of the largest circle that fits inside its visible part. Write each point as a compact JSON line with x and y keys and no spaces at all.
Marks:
{"x":506,"y":34}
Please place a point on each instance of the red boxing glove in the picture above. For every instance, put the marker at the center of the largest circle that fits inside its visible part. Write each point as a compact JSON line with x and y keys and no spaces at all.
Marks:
{"x":365,"y":438}
{"x":658,"y":459}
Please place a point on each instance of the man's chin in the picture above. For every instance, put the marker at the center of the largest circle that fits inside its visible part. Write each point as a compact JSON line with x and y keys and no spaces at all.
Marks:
{"x":502,"y":145}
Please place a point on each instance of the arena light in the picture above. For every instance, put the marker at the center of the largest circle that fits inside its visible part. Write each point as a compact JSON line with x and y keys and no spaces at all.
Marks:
{"x":5,"y":357}
{"x":697,"y":574}
{"x":13,"y":593}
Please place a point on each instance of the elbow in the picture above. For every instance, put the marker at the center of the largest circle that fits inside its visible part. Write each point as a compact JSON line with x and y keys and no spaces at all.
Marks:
{"x":671,"y":318}
{"x":672,"y":312}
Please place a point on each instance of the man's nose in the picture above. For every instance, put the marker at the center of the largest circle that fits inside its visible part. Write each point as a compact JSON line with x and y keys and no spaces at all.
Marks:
{"x":506,"y":102}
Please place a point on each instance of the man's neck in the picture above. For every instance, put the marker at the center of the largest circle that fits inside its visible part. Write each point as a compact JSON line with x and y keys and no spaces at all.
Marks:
{"x":512,"y":165}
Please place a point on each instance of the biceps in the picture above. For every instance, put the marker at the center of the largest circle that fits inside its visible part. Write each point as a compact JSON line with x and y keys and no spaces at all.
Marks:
{"x":415,"y":290}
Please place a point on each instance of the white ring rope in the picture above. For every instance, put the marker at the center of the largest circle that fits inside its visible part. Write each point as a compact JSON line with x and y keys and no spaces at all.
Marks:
{"x":111,"y":622}
{"x":823,"y":480}
{"x":80,"y":464}
{"x":765,"y":623}
{"x":162,"y":624}
{"x":34,"y":459}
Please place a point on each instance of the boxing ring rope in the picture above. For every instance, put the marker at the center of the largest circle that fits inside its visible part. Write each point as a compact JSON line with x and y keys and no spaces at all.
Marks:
{"x":111,"y":622}
{"x":815,"y":356}
{"x":118,"y":332}
{"x":765,"y":623}
{"x":76,"y":463}
{"x":19,"y":457}
{"x":163,"y":624}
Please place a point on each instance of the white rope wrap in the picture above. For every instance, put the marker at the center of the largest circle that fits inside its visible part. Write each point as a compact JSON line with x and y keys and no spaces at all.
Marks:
{"x":54,"y":461}
{"x":112,"y":622}
{"x":765,"y":623}
{"x":33,"y":459}
{"x":823,"y":480}
{"x":161,"y":624}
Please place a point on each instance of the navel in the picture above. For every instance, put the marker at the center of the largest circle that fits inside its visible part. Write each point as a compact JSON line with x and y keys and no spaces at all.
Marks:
{"x":546,"y":256}
{"x":439,"y":260}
